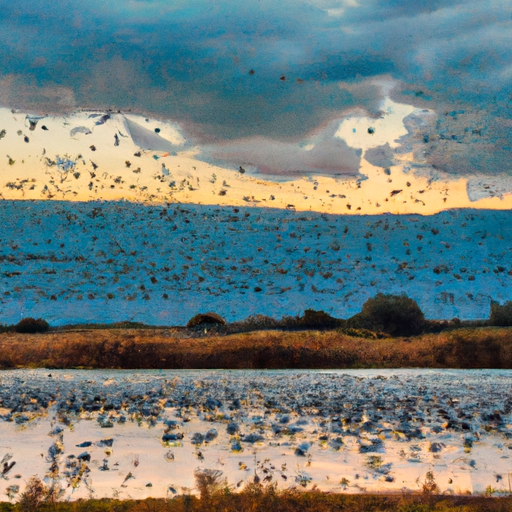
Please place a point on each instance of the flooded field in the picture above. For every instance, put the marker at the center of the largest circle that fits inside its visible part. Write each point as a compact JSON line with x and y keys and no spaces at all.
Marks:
{"x":143,"y":433}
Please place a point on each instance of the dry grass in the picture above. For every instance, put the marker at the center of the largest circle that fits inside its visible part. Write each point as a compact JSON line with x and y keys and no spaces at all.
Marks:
{"x":216,"y":495}
{"x":257,"y":498}
{"x":486,"y":347}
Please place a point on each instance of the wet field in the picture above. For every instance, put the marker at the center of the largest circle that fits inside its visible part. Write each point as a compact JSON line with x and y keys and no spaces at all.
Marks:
{"x":143,"y":433}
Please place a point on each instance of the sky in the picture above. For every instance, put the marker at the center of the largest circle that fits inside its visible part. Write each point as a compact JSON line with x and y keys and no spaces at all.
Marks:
{"x":261,"y":81}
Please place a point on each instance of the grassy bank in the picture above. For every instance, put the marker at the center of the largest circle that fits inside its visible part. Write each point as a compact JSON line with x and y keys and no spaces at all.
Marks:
{"x":485,"y":347}
{"x":256,"y":499}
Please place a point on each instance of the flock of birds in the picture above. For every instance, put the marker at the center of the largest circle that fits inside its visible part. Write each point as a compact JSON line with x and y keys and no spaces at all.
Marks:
{"x":267,"y":422}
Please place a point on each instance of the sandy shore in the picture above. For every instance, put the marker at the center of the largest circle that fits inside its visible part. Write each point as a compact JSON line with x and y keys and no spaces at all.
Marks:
{"x":140,"y":434}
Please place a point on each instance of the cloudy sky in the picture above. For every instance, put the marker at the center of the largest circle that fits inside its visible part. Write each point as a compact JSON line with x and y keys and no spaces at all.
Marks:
{"x":239,"y":74}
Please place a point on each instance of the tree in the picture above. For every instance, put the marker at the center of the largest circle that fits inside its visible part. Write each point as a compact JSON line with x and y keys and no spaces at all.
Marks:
{"x":501,"y":315}
{"x":397,"y":315}
{"x":31,"y":325}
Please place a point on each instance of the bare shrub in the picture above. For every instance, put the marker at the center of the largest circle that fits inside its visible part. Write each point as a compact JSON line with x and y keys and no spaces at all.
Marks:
{"x":430,"y":486}
{"x":36,"y":494}
{"x":209,"y":482}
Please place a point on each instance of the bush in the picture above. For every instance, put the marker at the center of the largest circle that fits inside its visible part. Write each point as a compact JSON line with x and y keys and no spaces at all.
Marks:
{"x":254,"y":323}
{"x":31,"y":325}
{"x":318,"y":320}
{"x":6,"y":328}
{"x":436,"y":326}
{"x":397,"y":315}
{"x":364,"y":333}
{"x":206,"y":318}
{"x":501,"y":315}
{"x":36,"y":494}
{"x":310,"y":320}
{"x":209,"y":482}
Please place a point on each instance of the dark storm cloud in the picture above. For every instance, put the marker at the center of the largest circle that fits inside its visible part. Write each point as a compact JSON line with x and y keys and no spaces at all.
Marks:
{"x":381,"y":156}
{"x":191,"y":60}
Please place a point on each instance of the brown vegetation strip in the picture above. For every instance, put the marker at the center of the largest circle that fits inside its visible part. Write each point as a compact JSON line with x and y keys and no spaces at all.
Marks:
{"x":260,"y":499}
{"x":165,"y":349}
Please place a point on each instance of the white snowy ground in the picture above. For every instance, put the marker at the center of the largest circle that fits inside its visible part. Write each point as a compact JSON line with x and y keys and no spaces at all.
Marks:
{"x":115,"y":261}
{"x":139,"y":434}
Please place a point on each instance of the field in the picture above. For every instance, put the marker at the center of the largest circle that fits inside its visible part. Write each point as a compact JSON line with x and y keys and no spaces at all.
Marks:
{"x":111,"y":262}
{"x":137,"y":434}
{"x":487,"y":347}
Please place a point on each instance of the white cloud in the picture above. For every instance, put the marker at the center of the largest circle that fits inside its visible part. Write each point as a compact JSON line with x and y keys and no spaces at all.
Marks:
{"x":387,"y":129}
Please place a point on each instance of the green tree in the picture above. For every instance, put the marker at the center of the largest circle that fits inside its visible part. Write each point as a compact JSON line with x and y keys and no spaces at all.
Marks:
{"x":397,"y":315}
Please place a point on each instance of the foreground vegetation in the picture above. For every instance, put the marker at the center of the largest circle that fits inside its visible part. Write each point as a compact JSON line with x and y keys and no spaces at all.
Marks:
{"x":485,"y":347}
{"x":215,"y":496}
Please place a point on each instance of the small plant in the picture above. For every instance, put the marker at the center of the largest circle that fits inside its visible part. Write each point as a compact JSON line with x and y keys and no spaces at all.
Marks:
{"x":489,"y":490}
{"x":31,"y":326}
{"x":430,"y":486}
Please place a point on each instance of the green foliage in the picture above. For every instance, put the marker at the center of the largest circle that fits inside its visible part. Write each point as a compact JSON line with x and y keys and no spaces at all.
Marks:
{"x":318,"y":320}
{"x":31,"y":325}
{"x":254,"y":323}
{"x":501,"y":315}
{"x":397,"y":315}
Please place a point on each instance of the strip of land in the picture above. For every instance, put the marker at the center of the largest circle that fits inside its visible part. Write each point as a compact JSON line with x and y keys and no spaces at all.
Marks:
{"x":259,"y":498}
{"x":172,"y":348}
